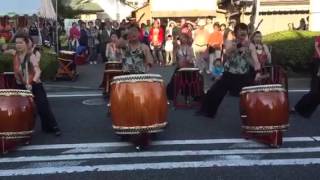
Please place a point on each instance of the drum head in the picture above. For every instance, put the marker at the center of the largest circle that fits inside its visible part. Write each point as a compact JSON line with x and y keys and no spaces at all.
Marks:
{"x":138,"y":78}
{"x":67,"y":52}
{"x":15,"y":92}
{"x":263,"y":88}
{"x":188,"y":69}
{"x":113,"y":62}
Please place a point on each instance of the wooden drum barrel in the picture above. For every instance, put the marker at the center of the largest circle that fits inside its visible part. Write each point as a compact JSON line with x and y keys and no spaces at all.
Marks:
{"x":113,"y":65}
{"x":138,"y":104}
{"x":17,"y":118}
{"x":265,"y":110}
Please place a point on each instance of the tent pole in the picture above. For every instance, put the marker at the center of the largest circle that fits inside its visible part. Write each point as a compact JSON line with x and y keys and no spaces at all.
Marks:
{"x":57,"y":30}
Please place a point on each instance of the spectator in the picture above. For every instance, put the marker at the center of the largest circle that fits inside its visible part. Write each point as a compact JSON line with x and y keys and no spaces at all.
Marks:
{"x":156,"y":38}
{"x":217,"y":70}
{"x":215,"y":42}
{"x":83,"y":41}
{"x":34,"y":33}
{"x":169,"y":50}
{"x":74,"y":36}
{"x":105,"y":38}
{"x":93,"y":43}
{"x":200,"y":44}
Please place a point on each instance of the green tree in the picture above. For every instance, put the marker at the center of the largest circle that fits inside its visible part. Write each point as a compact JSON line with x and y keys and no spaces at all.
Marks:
{"x":64,"y":10}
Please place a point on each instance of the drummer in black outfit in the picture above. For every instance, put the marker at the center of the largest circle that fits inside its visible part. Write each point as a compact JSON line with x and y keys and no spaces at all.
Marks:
{"x":238,"y":61}
{"x":27,"y":72}
{"x":309,"y":102}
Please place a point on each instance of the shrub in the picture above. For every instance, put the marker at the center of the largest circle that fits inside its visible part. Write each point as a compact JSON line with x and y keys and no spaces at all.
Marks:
{"x":292,"y":49}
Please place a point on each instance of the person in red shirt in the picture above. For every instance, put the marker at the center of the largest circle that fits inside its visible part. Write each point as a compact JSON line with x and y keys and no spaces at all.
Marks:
{"x":156,"y":38}
{"x":310,"y":101}
{"x":74,"y":35}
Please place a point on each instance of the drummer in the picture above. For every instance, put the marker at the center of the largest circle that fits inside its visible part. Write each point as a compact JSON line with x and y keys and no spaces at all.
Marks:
{"x":236,"y":75}
{"x":113,"y":53}
{"x":137,"y":58}
{"x":185,"y":58}
{"x":27,"y":73}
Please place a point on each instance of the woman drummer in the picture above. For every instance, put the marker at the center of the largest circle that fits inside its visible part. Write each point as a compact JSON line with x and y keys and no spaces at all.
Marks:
{"x":137,"y":58}
{"x":27,"y":73}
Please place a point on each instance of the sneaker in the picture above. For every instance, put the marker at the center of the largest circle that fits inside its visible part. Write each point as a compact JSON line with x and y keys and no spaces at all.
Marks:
{"x":90,"y":62}
{"x":56,"y":131}
{"x":94,"y":62}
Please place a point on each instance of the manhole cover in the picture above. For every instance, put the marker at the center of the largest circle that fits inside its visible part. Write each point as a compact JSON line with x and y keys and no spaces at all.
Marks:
{"x":94,"y":102}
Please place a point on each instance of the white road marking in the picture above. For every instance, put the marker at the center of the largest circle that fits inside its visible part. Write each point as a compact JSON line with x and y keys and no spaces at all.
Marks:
{"x":74,"y":95}
{"x":86,"y":94}
{"x":156,"y":143}
{"x":158,"y":154}
{"x":159,"y":166}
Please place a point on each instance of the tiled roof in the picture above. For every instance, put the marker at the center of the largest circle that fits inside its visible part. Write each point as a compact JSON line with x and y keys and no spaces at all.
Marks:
{"x":284,"y":2}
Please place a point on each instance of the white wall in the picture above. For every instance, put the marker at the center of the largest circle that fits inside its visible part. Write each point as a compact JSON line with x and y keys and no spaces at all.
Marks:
{"x":314,"y":15}
{"x":183,"y":5}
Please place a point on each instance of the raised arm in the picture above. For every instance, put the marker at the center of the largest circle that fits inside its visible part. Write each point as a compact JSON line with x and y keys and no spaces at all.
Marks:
{"x":35,"y":61}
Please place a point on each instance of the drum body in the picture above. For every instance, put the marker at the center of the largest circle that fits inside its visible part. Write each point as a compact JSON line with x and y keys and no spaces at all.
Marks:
{"x":7,"y":80}
{"x":113,"y":65}
{"x":16,"y":118}
{"x":109,"y":75}
{"x":70,"y":55}
{"x":264,"y":109}
{"x":189,"y":82}
{"x":138,"y":104}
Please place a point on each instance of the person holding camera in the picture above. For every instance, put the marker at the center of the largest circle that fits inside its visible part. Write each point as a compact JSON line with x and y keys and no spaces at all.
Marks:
{"x":236,"y":72}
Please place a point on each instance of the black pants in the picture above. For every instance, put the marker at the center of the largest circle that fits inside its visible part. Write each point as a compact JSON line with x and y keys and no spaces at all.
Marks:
{"x":310,"y":101}
{"x":48,"y":121}
{"x":228,"y":83}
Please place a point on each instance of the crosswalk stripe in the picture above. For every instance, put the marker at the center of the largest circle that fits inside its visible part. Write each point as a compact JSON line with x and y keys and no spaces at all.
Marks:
{"x":157,"y":143}
{"x":158,"y":154}
{"x":157,"y":166}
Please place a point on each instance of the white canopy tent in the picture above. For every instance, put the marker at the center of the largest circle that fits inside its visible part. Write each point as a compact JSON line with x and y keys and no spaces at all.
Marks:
{"x":115,"y":9}
{"x":41,"y":8}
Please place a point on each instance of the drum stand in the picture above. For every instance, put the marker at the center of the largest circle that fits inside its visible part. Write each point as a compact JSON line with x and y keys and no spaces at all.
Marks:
{"x":273,"y":139}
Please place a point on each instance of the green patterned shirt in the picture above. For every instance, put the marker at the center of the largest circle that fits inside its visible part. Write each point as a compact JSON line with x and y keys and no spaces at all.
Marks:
{"x":238,"y":63}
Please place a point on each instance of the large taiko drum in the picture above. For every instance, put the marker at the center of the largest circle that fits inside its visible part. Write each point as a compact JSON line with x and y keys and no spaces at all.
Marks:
{"x":108,"y":76}
{"x":111,"y":69}
{"x":17,"y":118}
{"x":7,"y":80}
{"x":264,"y":110}
{"x":138,"y":104}
{"x":113,"y":65}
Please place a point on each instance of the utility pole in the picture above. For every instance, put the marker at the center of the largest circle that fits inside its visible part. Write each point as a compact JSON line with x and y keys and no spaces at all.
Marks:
{"x":57,"y":30}
{"x":118,"y":13}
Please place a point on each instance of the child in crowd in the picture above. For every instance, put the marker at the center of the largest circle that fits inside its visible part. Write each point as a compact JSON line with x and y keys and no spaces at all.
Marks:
{"x":217,"y":69}
{"x":169,"y":50}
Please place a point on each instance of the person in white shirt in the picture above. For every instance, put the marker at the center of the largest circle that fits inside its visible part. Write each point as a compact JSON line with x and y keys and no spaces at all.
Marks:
{"x":169,"y":50}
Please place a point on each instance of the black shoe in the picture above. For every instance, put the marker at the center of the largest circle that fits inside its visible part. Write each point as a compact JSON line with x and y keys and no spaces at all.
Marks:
{"x":56,"y":131}
{"x":293,"y":111}
{"x":201,"y":113}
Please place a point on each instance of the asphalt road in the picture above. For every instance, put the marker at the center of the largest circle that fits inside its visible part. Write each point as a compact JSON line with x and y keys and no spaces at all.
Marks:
{"x":191,"y":147}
